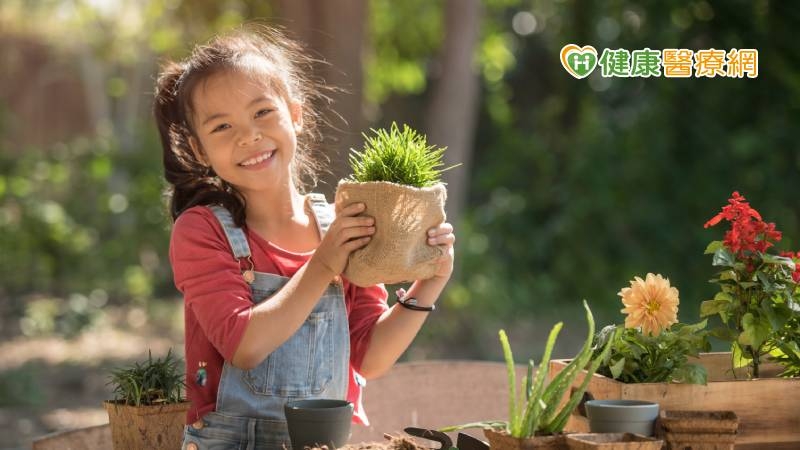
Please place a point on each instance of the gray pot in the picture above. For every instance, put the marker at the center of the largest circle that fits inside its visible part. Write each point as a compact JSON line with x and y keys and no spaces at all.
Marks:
{"x":622,"y":416}
{"x":318,"y":422}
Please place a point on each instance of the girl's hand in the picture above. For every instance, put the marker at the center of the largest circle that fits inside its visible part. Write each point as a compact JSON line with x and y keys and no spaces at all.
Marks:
{"x":346,"y":234}
{"x":443,"y":236}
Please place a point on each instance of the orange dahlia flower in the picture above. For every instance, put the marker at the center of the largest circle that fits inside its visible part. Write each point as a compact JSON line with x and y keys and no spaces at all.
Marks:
{"x":650,"y":304}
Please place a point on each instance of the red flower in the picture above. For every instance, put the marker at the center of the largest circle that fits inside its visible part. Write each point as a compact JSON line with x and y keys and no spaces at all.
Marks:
{"x":737,"y":208}
{"x":748,"y":233}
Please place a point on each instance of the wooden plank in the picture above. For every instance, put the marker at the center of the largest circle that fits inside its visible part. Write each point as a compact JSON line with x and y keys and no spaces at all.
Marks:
{"x":768,"y":408}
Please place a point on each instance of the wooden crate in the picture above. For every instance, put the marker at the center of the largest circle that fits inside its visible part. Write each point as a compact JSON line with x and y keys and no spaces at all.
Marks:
{"x":768,"y":408}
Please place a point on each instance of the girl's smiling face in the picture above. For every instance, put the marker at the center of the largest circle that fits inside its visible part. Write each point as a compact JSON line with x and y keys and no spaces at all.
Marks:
{"x":245,"y":130}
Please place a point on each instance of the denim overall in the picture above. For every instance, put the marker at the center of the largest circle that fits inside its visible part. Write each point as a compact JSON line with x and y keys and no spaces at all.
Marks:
{"x":313,"y":363}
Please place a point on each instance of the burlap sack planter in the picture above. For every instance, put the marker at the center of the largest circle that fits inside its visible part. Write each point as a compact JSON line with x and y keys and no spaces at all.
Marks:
{"x":399,"y":250}
{"x":157,"y":427}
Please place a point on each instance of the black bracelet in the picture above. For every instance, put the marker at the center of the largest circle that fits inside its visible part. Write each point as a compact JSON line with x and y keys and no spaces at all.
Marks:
{"x":411,"y":303}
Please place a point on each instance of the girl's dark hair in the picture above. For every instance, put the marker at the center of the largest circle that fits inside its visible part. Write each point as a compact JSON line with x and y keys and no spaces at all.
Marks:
{"x":257,"y":50}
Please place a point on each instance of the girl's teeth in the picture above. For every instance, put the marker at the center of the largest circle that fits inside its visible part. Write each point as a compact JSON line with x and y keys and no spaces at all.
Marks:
{"x":257,"y":160}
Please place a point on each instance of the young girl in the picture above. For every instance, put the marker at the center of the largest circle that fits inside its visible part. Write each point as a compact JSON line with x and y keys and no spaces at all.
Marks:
{"x":268,"y":317}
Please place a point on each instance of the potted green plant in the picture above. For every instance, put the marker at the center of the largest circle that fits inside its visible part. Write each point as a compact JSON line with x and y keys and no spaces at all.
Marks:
{"x":538,"y":420}
{"x":397,"y":175}
{"x":148,"y":410}
{"x":652,"y":346}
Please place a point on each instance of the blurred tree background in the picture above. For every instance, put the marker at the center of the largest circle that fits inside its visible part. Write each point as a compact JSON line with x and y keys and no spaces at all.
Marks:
{"x":568,"y":189}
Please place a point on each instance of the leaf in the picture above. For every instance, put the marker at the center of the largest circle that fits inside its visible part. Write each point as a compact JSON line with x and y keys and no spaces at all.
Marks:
{"x":776,"y":314}
{"x":616,"y":368}
{"x":756,"y":330}
{"x":765,"y":281}
{"x":723,"y":333}
{"x":724,"y":258}
{"x":530,"y":413}
{"x":713,"y":247}
{"x":512,"y":382}
{"x":691,"y":373}
{"x":711,"y":307}
{"x":693,"y":328}
{"x":738,"y":358}
{"x":723,"y":296}
{"x":780,"y":260}
{"x":727,"y":275}
{"x":487,"y":424}
{"x":529,"y":379}
{"x":560,"y":384}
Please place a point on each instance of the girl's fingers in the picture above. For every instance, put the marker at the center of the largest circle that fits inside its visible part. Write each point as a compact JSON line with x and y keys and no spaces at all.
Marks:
{"x":348,"y":234}
{"x":360,"y":221}
{"x":445,"y":239}
{"x":356,"y":244}
{"x":444,"y":228}
{"x":351,"y":209}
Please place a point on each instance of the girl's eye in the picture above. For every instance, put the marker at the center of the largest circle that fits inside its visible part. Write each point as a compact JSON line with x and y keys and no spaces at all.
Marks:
{"x":263,"y":112}
{"x":220,"y":127}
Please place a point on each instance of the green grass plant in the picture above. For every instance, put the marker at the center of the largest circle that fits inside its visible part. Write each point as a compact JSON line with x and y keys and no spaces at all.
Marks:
{"x":401,"y":157}
{"x":153,"y":382}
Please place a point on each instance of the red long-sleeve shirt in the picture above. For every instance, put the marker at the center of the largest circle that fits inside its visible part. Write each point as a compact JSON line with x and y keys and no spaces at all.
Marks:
{"x":218,"y":302}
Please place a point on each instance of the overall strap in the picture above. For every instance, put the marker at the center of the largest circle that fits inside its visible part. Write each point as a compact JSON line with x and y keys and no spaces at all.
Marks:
{"x":235,"y":235}
{"x":323,"y":211}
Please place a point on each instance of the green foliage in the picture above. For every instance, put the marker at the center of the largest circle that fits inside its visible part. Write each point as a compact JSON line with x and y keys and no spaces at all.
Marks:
{"x":83,"y":224}
{"x":396,"y":62}
{"x":540,"y":413}
{"x":63,"y":316}
{"x":401,"y":157}
{"x":636,"y":357}
{"x":786,"y":351}
{"x":578,"y":185}
{"x":152,"y":382}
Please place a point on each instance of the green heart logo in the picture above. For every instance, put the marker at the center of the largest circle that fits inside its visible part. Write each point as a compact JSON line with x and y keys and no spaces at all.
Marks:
{"x":579,"y":61}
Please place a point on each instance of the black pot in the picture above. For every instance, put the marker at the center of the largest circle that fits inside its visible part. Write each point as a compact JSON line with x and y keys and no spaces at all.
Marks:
{"x":317,"y":422}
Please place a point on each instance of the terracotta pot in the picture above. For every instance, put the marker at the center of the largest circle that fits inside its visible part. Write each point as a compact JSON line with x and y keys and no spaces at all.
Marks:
{"x":501,"y":440}
{"x":146,"y":427}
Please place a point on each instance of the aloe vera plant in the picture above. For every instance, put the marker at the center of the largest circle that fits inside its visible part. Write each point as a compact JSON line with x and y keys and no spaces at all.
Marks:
{"x":541,"y":413}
